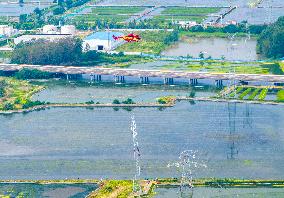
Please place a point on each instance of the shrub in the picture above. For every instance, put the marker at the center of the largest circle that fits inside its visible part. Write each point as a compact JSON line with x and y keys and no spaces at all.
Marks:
{"x":90,"y":102}
{"x":30,"y":104}
{"x":8,"y":106}
{"x":25,"y":74}
{"x":115,"y":101}
{"x":166,"y":100}
{"x":280,"y":96}
{"x":128,"y":101}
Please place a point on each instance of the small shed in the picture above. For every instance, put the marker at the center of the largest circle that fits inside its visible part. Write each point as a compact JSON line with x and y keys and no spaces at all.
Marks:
{"x":102,"y":41}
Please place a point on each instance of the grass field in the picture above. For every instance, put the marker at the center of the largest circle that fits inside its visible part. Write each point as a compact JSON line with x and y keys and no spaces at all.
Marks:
{"x":222,"y":67}
{"x":174,"y":14}
{"x":110,"y":14}
{"x":151,"y":43}
{"x":14,"y":94}
{"x":275,"y":94}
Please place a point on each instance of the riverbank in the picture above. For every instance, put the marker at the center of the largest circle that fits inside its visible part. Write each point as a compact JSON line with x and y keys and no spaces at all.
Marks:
{"x":107,"y":105}
{"x":123,"y":188}
{"x":229,"y":100}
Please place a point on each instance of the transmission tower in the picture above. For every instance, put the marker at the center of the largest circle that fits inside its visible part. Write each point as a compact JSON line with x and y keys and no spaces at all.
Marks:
{"x":137,"y":190}
{"x":232,"y":131}
{"x":187,"y":161}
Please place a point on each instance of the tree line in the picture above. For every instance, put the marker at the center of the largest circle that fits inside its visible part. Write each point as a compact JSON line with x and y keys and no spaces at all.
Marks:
{"x":270,"y":43}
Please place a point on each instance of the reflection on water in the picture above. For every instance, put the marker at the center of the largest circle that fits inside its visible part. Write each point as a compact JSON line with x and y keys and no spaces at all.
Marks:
{"x":50,"y":190}
{"x":94,"y":143}
{"x":239,"y":49}
{"x":221,"y":192}
{"x":106,"y":93}
{"x":17,"y":9}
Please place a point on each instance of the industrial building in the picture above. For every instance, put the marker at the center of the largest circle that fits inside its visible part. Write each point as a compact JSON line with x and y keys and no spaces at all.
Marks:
{"x":102,"y":41}
{"x":49,"y":37}
{"x":50,"y":33}
{"x":7,"y":30}
{"x":65,"y":29}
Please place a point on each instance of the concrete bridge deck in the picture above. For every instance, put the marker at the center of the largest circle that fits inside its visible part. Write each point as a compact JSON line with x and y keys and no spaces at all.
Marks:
{"x":146,"y":73}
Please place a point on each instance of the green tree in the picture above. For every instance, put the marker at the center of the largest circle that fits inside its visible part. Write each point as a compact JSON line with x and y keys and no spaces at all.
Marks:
{"x":271,"y":41}
{"x":115,"y":101}
{"x":8,"y":106}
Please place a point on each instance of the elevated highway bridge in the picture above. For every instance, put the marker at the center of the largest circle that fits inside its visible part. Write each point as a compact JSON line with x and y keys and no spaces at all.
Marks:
{"x":166,"y":74}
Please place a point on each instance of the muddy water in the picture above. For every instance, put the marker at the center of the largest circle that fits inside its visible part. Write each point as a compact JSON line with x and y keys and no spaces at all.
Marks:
{"x":238,"y":49}
{"x":92,"y":143}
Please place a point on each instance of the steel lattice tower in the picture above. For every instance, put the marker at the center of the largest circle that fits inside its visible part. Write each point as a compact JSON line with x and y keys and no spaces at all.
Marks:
{"x":137,"y":190}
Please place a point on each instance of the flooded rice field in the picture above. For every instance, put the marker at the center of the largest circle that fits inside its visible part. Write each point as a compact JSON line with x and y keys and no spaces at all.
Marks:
{"x":239,"y":49}
{"x":107,"y":92}
{"x":222,"y":192}
{"x":46,"y":190}
{"x":235,"y":140}
{"x":17,"y":9}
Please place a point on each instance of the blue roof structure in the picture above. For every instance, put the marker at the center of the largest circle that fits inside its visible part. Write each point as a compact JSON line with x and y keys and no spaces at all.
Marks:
{"x":103,"y":35}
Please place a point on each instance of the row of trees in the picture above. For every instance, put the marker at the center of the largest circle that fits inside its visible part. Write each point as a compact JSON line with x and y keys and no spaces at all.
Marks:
{"x":67,"y":51}
{"x":64,"y":5}
{"x":2,"y":88}
{"x":271,"y":41}
{"x":40,"y":52}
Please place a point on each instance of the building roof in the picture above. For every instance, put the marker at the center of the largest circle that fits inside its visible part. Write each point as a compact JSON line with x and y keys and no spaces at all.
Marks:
{"x":103,"y":35}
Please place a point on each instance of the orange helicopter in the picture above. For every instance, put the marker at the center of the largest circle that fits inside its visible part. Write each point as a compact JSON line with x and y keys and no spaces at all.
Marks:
{"x":129,"y":38}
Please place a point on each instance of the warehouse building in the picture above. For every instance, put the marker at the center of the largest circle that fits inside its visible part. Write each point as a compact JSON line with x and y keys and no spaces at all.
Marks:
{"x":49,"y":37}
{"x":102,"y":41}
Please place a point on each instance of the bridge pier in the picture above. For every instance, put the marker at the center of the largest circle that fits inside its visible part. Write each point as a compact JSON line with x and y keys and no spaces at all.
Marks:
{"x":73,"y":76}
{"x":278,"y":84}
{"x":219,"y":83}
{"x":144,"y":80}
{"x":193,"y":81}
{"x":168,"y":81}
{"x":119,"y":79}
{"x":97,"y":78}
{"x":244,"y":82}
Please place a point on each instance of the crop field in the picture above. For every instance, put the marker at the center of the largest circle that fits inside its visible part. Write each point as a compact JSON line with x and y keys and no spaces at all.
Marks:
{"x":114,"y":14}
{"x":14,"y":94}
{"x":257,"y":93}
{"x":224,"y":67}
{"x":174,"y":14}
{"x":152,"y":43}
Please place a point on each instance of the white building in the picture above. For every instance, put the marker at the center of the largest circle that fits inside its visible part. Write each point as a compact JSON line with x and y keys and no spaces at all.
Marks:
{"x":49,"y":29}
{"x":68,"y":29}
{"x":102,"y":41}
{"x":186,"y":24}
{"x":49,"y":37}
{"x":7,"y":30}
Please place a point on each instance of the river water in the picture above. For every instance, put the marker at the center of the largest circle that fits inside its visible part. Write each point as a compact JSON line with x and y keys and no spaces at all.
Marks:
{"x":238,"y":49}
{"x":93,"y":143}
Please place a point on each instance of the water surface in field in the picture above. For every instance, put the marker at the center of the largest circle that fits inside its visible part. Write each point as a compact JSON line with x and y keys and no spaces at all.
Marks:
{"x":94,"y":143}
{"x":17,"y":9}
{"x":65,"y":92}
{"x":222,"y":192}
{"x":46,"y":190}
{"x":238,"y":49}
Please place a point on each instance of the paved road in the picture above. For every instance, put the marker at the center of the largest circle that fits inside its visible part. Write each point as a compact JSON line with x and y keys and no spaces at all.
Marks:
{"x":146,"y":73}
